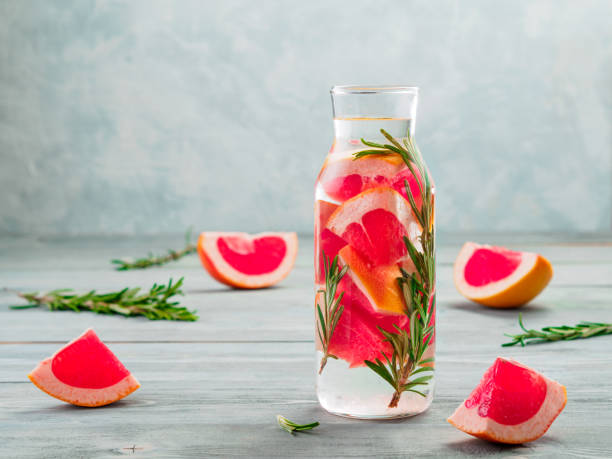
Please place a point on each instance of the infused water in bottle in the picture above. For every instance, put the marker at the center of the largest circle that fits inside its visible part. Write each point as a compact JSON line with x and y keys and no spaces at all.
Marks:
{"x":374,"y":259}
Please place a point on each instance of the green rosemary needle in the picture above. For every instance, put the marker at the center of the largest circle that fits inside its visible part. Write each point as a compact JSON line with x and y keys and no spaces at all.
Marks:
{"x":328,"y":317}
{"x":154,"y":304}
{"x":156,"y":260}
{"x":291,"y":427}
{"x":560,"y":333}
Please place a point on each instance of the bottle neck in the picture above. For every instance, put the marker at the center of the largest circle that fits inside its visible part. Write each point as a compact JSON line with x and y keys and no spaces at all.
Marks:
{"x":355,"y":129}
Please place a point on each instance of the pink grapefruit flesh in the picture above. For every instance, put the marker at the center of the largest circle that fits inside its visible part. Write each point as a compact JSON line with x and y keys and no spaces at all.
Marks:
{"x":242,"y":260}
{"x":325,"y":241}
{"x":511,"y":404}
{"x":357,"y":337}
{"x":84,"y":372}
{"x":498,"y":277}
{"x":374,"y":223}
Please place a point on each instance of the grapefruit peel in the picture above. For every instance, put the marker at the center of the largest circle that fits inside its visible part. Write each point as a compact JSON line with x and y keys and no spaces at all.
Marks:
{"x":518,"y":408}
{"x":500,"y":278}
{"x":86,"y":387}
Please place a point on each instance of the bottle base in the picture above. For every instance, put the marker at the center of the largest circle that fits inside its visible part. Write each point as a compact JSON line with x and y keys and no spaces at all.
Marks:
{"x":375,"y":417}
{"x":360,"y":393}
{"x":375,"y":408}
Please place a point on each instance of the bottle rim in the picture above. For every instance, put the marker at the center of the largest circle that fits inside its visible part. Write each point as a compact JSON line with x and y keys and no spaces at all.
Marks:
{"x":379,"y":89}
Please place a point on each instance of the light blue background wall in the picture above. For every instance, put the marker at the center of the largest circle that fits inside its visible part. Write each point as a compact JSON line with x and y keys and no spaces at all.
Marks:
{"x":150,"y":116}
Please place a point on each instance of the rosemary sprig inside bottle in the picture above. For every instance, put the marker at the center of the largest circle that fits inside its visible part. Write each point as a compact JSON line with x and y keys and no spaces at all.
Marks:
{"x":156,"y":260}
{"x":155,"y":304}
{"x":559,"y":333}
{"x":403,"y":370}
{"x":332,"y":308}
{"x":291,"y":427}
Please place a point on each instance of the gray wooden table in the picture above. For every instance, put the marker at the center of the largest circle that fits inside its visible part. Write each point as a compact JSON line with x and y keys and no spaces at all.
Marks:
{"x":213,"y":387}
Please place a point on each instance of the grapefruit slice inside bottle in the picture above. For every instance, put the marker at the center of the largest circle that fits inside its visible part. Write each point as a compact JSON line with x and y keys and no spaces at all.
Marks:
{"x":345,"y":177}
{"x":374,"y":223}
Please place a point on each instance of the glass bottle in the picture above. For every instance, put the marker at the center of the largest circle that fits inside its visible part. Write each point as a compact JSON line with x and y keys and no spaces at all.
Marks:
{"x":374,"y":259}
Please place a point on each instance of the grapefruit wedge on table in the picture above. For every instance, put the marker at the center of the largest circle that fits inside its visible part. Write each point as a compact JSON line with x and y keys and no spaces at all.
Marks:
{"x":498,"y":277}
{"x":248,"y":261}
{"x":84,"y":372}
{"x":511,"y":404}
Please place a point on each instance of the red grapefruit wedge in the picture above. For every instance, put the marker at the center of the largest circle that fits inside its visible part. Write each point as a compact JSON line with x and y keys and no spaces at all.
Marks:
{"x":372,"y":299}
{"x":498,"y":277}
{"x":345,"y":177}
{"x":356,"y":337}
{"x":248,"y":261}
{"x":84,"y":372}
{"x":511,"y":404}
{"x":374,"y":223}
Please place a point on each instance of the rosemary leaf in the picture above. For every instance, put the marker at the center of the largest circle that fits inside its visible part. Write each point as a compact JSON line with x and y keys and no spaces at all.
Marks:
{"x":156,"y":260}
{"x":291,"y":427}
{"x":582,"y":330}
{"x":153,"y":305}
{"x":417,"y":288}
{"x":329,"y":315}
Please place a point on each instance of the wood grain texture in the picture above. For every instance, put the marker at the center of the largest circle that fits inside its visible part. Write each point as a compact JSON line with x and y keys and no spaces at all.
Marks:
{"x":212,"y":388}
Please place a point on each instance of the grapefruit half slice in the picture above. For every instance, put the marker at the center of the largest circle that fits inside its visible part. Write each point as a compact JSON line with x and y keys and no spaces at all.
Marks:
{"x":248,"y":261}
{"x":498,"y":277}
{"x":511,"y":404}
{"x":374,"y":223}
{"x":84,"y":372}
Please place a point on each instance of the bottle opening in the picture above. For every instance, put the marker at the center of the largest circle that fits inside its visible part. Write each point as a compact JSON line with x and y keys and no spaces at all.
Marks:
{"x":364,"y":89}
{"x":376,"y":102}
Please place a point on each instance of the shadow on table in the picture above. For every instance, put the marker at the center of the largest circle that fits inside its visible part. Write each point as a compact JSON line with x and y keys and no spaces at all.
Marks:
{"x":228,"y":289}
{"x":477,"y":447}
{"x":474,"y":308}
{"x":69,"y":408}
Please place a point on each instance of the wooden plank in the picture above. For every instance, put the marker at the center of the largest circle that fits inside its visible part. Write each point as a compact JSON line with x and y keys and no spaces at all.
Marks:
{"x":283,"y":314}
{"x":95,"y":253}
{"x":214,"y":389}
{"x":221,"y":399}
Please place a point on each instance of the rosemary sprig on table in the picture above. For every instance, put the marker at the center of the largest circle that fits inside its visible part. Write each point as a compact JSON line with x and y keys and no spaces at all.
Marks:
{"x":154,"y":304}
{"x":332,"y":307}
{"x":563,"y":332}
{"x":404,"y":368}
{"x":291,"y":427}
{"x":156,"y":260}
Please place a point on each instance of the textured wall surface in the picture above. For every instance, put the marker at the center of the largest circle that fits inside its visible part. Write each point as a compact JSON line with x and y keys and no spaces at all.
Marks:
{"x":149,"y":116}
